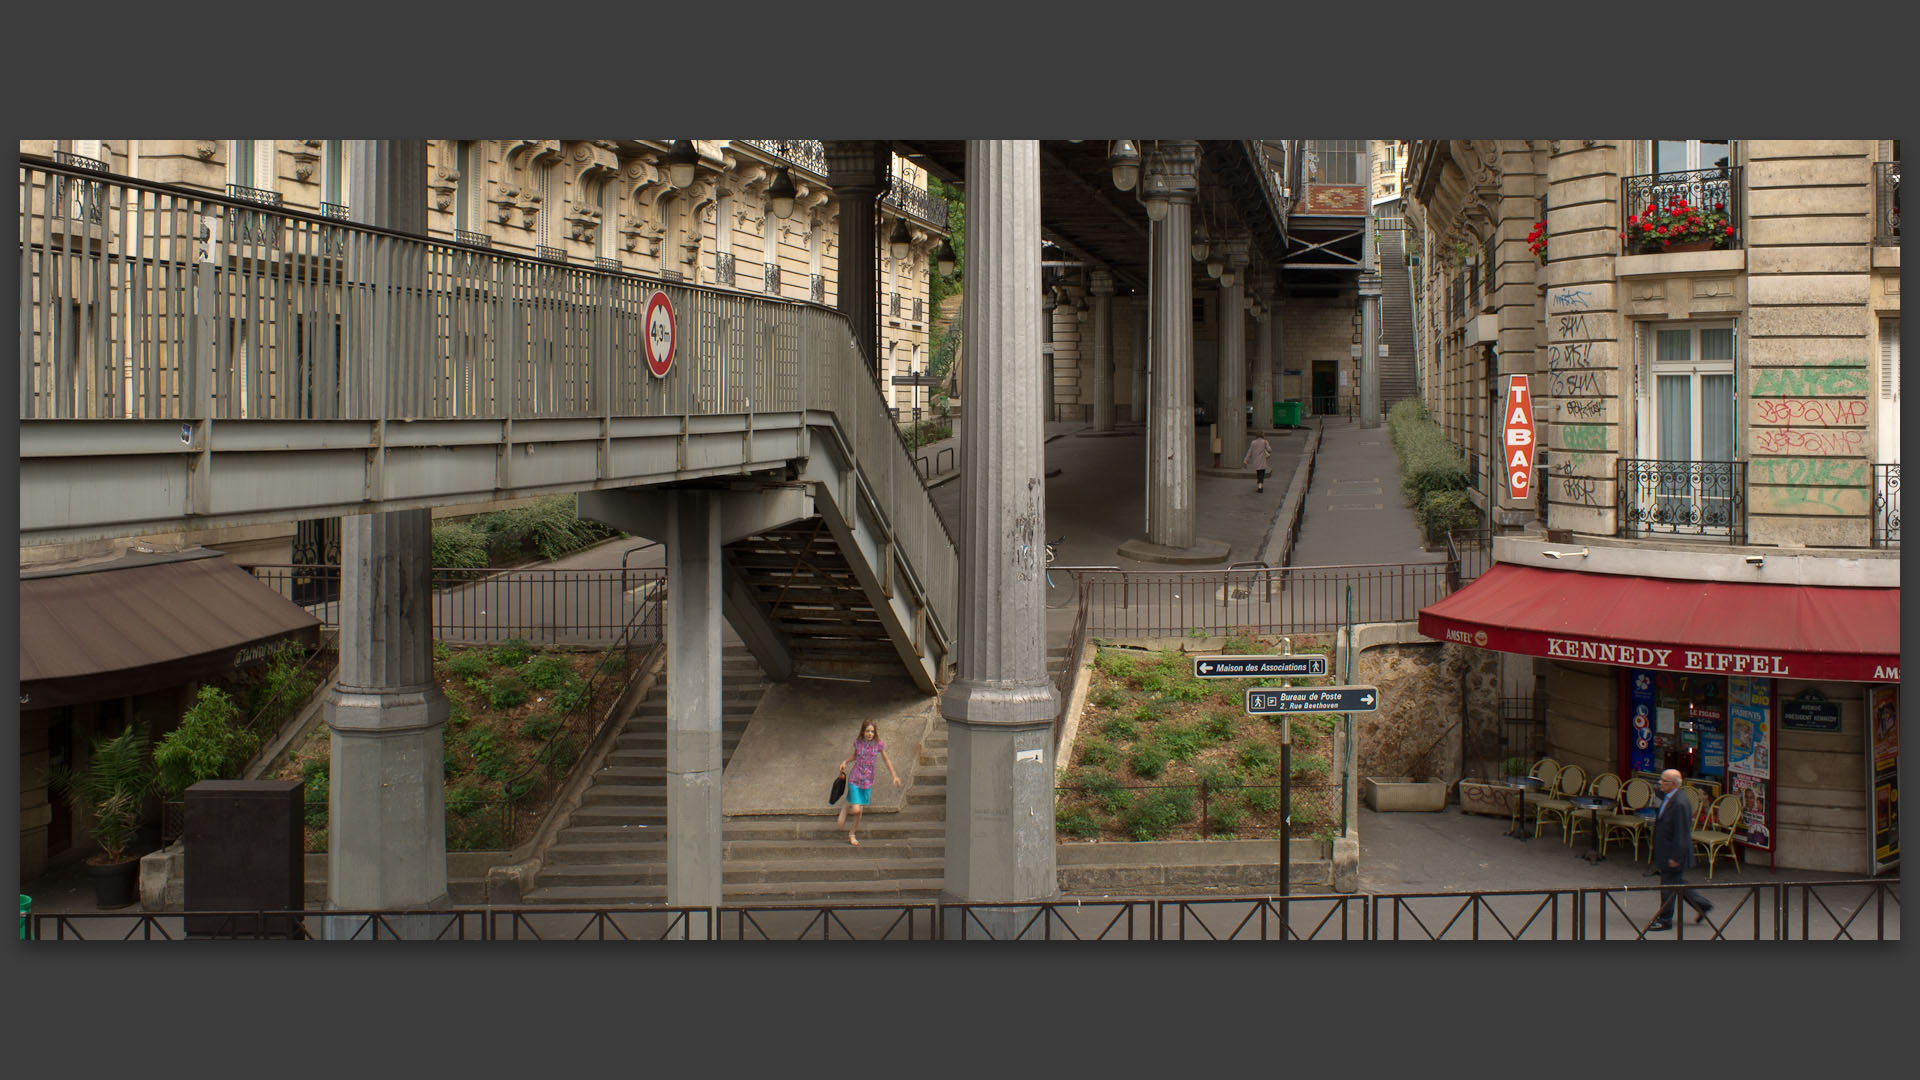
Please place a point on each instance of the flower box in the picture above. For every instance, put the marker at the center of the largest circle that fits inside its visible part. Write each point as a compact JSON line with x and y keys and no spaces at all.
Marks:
{"x":1387,"y":794}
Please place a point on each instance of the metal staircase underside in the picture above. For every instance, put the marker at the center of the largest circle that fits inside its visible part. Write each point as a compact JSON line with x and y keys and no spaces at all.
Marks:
{"x":803,"y":586}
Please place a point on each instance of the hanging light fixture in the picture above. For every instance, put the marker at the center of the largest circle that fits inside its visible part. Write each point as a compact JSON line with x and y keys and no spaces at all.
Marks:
{"x":1216,"y":265}
{"x":945,"y":257}
{"x":900,"y":241}
{"x":681,"y":159}
{"x":782,"y":193}
{"x":1227,"y":278}
{"x":1154,"y":193}
{"x":1124,"y":156}
{"x":1200,"y":240}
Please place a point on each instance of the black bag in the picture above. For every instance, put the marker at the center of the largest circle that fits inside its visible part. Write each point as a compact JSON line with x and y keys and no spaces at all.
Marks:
{"x":839,"y":789}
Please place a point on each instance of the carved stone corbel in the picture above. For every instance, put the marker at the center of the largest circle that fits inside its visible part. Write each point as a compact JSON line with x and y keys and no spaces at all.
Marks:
{"x":444,"y":178}
{"x":204,"y":149}
{"x":305,"y":156}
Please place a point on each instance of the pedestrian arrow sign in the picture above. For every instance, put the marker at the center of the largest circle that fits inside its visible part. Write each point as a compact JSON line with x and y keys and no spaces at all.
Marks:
{"x":1266,"y":700}
{"x":1264,"y":667}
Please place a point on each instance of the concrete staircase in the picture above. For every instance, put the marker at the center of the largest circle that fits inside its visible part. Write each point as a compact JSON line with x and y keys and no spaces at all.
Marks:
{"x":613,"y":848}
{"x":1398,"y":378}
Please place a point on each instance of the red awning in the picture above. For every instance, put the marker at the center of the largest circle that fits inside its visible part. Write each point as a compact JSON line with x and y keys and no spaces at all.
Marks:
{"x":1718,"y":627}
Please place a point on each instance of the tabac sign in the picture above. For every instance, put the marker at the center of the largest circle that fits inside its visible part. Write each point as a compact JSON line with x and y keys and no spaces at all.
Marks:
{"x":1519,"y":438}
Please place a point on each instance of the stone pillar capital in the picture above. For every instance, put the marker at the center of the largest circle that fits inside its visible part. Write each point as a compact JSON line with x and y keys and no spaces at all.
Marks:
{"x":1235,"y":246}
{"x":1178,"y":161}
{"x":1100,"y":282}
{"x":858,"y":166}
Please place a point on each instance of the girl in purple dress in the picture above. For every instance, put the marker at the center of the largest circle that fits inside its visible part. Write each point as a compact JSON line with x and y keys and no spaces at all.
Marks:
{"x":860,"y":782}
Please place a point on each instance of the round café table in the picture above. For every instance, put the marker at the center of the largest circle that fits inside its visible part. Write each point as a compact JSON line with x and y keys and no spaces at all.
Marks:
{"x":1520,"y":785}
{"x":1593,"y":804}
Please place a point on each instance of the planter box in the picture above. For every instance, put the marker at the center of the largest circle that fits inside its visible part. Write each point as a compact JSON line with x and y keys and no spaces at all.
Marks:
{"x":1481,"y":797}
{"x":1391,"y":793}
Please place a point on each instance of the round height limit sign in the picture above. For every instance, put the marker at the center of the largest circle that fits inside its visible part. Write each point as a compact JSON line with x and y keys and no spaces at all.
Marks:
{"x":659,"y":339}
{"x":1519,"y":438}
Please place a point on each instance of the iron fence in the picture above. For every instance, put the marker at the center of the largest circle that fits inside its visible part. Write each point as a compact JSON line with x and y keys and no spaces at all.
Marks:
{"x":1523,"y":731}
{"x":917,"y":201}
{"x":1267,"y":810}
{"x":550,"y":254}
{"x":1698,"y":498}
{"x":809,"y":154}
{"x":1469,"y":553}
{"x":1886,"y":504}
{"x":1886,"y":202}
{"x":772,"y":278}
{"x":542,"y":605}
{"x":1278,"y":600}
{"x":1700,"y":188}
{"x":472,"y":239}
{"x":1846,"y":910}
{"x":723,"y":268}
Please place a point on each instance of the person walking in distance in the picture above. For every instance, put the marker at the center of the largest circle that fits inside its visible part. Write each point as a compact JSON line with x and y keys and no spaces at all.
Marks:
{"x":1673,"y":852}
{"x":1258,"y":451}
{"x":860,"y":781}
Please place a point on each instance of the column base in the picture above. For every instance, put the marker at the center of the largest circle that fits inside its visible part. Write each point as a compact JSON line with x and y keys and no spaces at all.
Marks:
{"x":1203,"y":551}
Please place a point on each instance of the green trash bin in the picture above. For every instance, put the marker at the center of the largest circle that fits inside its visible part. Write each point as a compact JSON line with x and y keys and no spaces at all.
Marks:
{"x":1286,"y":414}
{"x":26,"y":908}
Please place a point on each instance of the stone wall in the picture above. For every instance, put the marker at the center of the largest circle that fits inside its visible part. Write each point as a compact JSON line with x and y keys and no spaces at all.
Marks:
{"x":1314,"y":329}
{"x":1416,"y":732}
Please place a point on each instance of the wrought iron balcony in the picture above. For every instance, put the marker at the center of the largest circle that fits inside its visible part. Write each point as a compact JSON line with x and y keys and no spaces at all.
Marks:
{"x":335,"y":211}
{"x":809,"y":154}
{"x":817,"y":288}
{"x":723,"y":268}
{"x":893,"y":306}
{"x":80,"y":200}
{"x":1886,"y":202}
{"x":472,"y":239}
{"x":1886,"y":504}
{"x":262,"y":196}
{"x":1686,"y":498}
{"x":918,"y":202}
{"x":550,"y":254}
{"x":773,"y":279}
{"x":604,"y":263}
{"x":919,"y":309}
{"x":1702,"y":188}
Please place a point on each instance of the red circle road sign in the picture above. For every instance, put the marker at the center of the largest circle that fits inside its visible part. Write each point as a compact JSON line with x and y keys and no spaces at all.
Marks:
{"x":659,"y":334}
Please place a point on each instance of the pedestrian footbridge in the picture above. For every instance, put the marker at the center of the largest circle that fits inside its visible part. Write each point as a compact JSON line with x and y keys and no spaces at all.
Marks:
{"x":189,"y":361}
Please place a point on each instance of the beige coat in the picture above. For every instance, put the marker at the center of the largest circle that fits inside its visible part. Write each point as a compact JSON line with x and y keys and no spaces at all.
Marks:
{"x":1257,"y":453}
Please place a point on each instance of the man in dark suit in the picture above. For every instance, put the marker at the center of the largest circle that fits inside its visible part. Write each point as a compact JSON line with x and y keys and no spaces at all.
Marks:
{"x":1673,"y":852}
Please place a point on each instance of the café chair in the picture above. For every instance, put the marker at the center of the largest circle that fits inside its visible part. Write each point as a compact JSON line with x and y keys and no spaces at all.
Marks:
{"x":1603,"y":786}
{"x":1573,"y":779}
{"x":1547,"y":771}
{"x":1701,"y":800}
{"x":1717,"y":836}
{"x":1636,"y":794}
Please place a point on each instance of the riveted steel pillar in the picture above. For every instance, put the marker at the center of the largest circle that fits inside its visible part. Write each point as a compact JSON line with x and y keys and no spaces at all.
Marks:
{"x":1170,"y":435}
{"x":1233,"y":352}
{"x":1102,"y":289}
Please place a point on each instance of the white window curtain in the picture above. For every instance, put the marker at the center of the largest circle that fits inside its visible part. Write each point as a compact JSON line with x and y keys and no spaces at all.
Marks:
{"x":1889,"y":442}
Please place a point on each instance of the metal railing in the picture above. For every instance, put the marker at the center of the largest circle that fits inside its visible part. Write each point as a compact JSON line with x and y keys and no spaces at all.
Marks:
{"x":542,"y":604}
{"x":723,"y":268}
{"x":1469,"y":553}
{"x":1288,"y":599}
{"x":472,"y":239}
{"x":919,"y":308}
{"x":1700,"y":188}
{"x":893,"y":305}
{"x":81,"y":199}
{"x":809,"y":154}
{"x":1886,"y":202}
{"x":773,"y":279}
{"x":158,"y":321}
{"x":817,"y":288}
{"x":1886,"y":504}
{"x":550,"y":254}
{"x":603,"y":262}
{"x":1846,"y":910}
{"x":333,"y":211}
{"x":1686,"y":498}
{"x":917,"y":201}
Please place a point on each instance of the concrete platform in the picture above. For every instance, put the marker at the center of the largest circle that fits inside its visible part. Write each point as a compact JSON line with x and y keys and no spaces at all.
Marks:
{"x":802,"y":730}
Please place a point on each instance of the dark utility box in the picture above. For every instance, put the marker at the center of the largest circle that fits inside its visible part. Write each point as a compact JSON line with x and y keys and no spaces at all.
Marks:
{"x":245,"y":852}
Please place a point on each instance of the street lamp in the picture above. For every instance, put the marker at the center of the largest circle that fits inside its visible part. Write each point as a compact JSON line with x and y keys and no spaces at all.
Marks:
{"x":782,"y":193}
{"x":1125,"y":159}
{"x":1155,"y":193}
{"x":1200,"y":239}
{"x":681,"y":159}
{"x":900,"y":241}
{"x":945,"y":257}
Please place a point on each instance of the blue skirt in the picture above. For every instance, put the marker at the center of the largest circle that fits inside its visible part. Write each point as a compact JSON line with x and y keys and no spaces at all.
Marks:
{"x":859,"y":796}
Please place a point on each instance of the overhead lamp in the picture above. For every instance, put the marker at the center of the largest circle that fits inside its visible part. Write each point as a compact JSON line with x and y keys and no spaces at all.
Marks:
{"x":681,"y":159}
{"x":1216,"y":266}
{"x":1155,"y":193}
{"x":945,"y":257}
{"x":1200,"y":239}
{"x":1227,"y":278}
{"x":782,"y":193}
{"x":900,"y":241}
{"x":1125,"y":159}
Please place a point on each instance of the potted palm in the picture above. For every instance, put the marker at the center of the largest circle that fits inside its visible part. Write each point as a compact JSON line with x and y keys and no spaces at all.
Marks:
{"x":107,"y":792}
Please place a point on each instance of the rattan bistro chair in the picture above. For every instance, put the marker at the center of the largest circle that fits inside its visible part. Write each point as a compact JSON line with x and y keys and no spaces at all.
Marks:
{"x":1635,"y":795}
{"x":1547,"y":771}
{"x":1573,"y":779}
{"x":1602,"y":786}
{"x":1717,"y":835}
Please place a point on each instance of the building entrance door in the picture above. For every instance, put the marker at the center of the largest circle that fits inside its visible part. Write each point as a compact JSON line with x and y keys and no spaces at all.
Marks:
{"x":1326,"y":388}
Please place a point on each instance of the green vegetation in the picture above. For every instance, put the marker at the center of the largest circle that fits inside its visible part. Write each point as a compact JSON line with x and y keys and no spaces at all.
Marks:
{"x":209,"y":743}
{"x":545,"y":528}
{"x":1433,"y":474}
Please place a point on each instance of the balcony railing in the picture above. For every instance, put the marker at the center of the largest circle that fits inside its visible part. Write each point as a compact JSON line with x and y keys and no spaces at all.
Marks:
{"x":1886,"y":504}
{"x":472,"y":239}
{"x":1686,"y":498}
{"x":550,"y":254}
{"x":773,"y":279}
{"x":333,"y":211}
{"x":917,"y":201}
{"x":893,"y":305}
{"x":919,"y":309}
{"x":1886,"y":202}
{"x":817,"y":288}
{"x":262,"y":196}
{"x":81,"y":200}
{"x":723,"y":268}
{"x":809,"y":154}
{"x":1704,"y":188}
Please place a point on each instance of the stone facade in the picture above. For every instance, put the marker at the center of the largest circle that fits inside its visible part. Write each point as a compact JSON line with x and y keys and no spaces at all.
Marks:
{"x":1430,"y":689}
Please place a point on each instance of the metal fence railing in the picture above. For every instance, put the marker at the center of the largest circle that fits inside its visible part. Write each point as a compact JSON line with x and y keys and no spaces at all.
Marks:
{"x":1277,"y":600}
{"x":160,"y":312}
{"x":1698,"y":498}
{"x":1886,"y":504}
{"x":1886,"y":202}
{"x":542,"y":605}
{"x":1701,"y":188}
{"x":1848,"y":910}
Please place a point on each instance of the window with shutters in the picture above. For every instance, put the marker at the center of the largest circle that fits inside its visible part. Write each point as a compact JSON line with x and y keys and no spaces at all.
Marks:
{"x":1889,"y":391}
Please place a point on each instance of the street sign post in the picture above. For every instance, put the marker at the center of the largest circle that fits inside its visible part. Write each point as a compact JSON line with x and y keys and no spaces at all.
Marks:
{"x":1270,"y":700}
{"x":1519,"y":438}
{"x":1260,"y":667}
